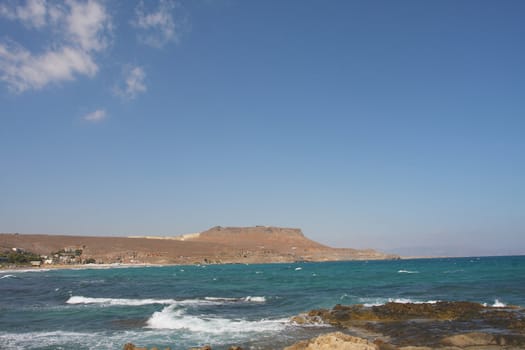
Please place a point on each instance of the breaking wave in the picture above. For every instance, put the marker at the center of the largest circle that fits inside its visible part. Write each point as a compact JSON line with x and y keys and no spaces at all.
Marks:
{"x":497,"y":303}
{"x":126,"y":302}
{"x":176,"y":319}
{"x":407,"y":271}
{"x":381,"y":301}
{"x":7,"y":276}
{"x":25,"y":270}
{"x":76,"y":300}
{"x":245,"y":299}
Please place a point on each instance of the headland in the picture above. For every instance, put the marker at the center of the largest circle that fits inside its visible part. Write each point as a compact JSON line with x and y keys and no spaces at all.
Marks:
{"x":218,"y":245}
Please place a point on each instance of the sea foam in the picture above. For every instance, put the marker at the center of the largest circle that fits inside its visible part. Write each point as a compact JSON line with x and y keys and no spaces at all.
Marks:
{"x":76,"y":300}
{"x":407,"y":271}
{"x":498,"y":303}
{"x":381,"y":301}
{"x":129,"y":302}
{"x":176,"y":319}
{"x":232,"y":300}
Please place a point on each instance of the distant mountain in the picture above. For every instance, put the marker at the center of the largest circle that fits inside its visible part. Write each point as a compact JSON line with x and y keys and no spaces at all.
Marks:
{"x":259,"y":244}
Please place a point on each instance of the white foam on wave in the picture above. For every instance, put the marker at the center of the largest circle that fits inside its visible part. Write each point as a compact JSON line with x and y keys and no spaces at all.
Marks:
{"x":221,"y":299}
{"x":255,"y":299}
{"x":407,"y":271}
{"x":133,"y":302}
{"x":24,"y":270}
{"x":233,"y":300}
{"x":381,"y":301}
{"x":55,"y":340}
{"x":176,"y":319}
{"x":7,"y":276}
{"x":498,"y":303}
{"x":79,"y":300}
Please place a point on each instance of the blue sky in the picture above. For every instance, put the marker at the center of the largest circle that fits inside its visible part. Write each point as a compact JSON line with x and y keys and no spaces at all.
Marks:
{"x":397,"y":125}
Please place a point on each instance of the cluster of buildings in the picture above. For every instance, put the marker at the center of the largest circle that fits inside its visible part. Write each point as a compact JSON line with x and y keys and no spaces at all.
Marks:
{"x":65,"y":256}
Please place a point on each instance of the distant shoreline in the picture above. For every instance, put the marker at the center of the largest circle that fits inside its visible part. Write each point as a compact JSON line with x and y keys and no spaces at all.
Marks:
{"x":218,"y":245}
{"x":45,"y":268}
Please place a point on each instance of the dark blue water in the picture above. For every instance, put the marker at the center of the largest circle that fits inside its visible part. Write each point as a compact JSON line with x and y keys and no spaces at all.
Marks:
{"x":184,"y":306}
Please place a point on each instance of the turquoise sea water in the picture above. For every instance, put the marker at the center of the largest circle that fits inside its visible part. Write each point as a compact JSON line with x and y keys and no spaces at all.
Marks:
{"x":250,"y":305}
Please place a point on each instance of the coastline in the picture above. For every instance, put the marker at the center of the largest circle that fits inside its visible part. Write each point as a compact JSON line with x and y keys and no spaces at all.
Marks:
{"x":218,"y":245}
{"x":260,"y":306}
{"x":51,"y":267}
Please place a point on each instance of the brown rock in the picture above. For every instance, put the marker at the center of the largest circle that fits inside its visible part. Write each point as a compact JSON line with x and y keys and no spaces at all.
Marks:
{"x":131,"y":346}
{"x":235,"y":348}
{"x":334,"y":341}
{"x":469,"y":339}
{"x":308,"y":319}
{"x":382,"y":345}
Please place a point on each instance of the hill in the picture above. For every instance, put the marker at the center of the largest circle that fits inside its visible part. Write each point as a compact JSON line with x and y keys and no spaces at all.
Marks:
{"x":260,"y":244}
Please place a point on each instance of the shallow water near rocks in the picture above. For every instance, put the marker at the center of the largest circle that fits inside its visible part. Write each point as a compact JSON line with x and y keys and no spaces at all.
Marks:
{"x":221,"y":305}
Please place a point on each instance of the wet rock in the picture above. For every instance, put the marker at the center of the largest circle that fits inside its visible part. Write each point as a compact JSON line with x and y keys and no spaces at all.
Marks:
{"x":310,"y":318}
{"x":334,"y":341}
{"x":343,"y":315}
{"x":131,"y":346}
{"x":430,"y":325}
{"x":235,"y":348}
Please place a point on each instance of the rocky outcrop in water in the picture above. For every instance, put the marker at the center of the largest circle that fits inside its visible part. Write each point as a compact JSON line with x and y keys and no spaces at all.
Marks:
{"x":441,"y":325}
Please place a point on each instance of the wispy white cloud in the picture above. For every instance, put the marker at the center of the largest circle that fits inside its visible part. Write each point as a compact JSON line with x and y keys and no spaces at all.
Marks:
{"x":22,"y":70}
{"x":157,"y":28}
{"x":82,"y":28}
{"x":133,"y":83}
{"x":33,"y":13}
{"x":96,"y":116}
{"x":87,"y":25}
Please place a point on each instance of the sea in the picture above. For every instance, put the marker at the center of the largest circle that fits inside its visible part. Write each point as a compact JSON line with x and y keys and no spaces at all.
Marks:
{"x":223,"y":305}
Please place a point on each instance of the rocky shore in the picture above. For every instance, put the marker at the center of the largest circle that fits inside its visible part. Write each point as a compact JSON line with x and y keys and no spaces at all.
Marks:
{"x":440,"y":325}
{"x":410,"y":326}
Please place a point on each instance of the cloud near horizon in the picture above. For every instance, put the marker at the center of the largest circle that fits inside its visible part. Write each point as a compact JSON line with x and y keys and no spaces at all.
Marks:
{"x":82,"y":29}
{"x":96,"y":116}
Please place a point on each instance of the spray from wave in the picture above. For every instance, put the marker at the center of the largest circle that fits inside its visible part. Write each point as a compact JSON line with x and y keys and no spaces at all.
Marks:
{"x":173,"y":318}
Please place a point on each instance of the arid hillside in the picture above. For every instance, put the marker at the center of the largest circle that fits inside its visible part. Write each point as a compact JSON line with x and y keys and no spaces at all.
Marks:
{"x":260,"y":244}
